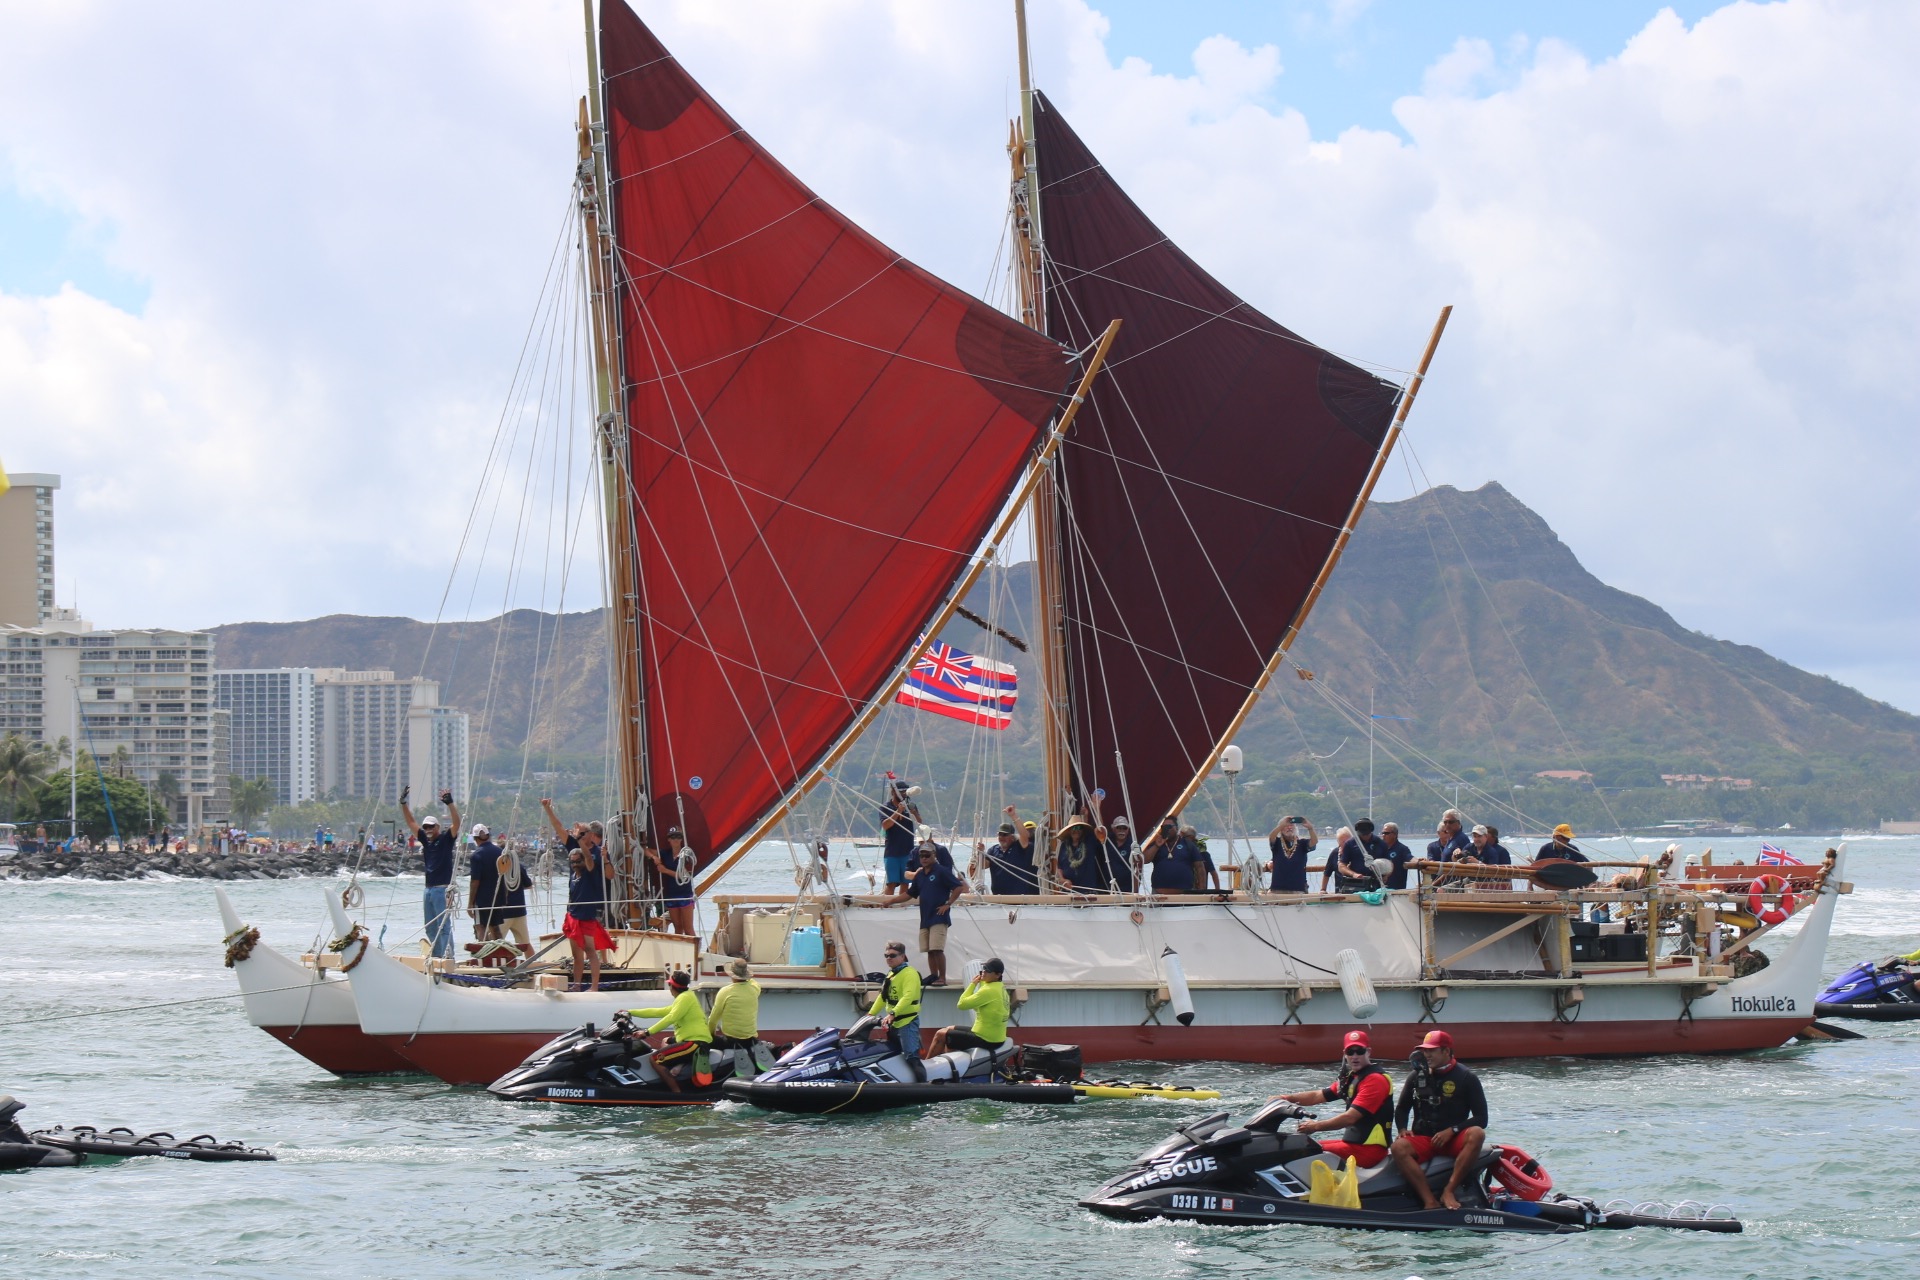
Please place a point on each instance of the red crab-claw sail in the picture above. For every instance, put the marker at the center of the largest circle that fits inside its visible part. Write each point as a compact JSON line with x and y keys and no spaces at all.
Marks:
{"x":820,"y":435}
{"x":1200,"y":493}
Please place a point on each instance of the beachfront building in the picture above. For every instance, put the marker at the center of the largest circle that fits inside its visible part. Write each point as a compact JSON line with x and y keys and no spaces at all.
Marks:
{"x":272,"y":724}
{"x":377,"y":732}
{"x":26,"y":549}
{"x":140,"y":701}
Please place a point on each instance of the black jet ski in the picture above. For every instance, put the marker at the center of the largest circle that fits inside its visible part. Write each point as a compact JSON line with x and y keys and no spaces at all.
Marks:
{"x":588,"y":1067}
{"x":84,"y":1144}
{"x":1217,"y":1172}
{"x":1877,"y":991}
{"x":861,"y":1070}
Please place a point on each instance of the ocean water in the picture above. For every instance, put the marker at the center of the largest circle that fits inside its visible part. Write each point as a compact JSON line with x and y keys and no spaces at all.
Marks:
{"x":1813,"y":1145}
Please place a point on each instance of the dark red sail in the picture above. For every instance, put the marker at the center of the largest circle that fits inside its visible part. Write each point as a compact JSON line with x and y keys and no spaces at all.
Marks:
{"x":821,"y":435}
{"x":1201,"y":488}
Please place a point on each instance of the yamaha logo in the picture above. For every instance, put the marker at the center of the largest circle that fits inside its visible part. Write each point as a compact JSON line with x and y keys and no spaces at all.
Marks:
{"x":1763,"y":1004}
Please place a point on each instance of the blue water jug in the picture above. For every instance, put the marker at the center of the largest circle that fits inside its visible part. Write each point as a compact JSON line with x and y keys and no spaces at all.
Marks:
{"x":807,"y":946}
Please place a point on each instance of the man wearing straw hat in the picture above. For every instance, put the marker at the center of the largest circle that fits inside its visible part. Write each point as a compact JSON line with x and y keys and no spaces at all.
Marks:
{"x":735,"y":1018}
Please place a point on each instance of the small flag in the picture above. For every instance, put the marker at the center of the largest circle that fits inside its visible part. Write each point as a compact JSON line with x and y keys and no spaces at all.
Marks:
{"x":1772,"y":856}
{"x":949,"y":682}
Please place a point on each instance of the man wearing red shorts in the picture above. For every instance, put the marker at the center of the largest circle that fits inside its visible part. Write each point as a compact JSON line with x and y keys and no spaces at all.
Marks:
{"x":1448,"y":1111}
{"x":1367,"y":1123}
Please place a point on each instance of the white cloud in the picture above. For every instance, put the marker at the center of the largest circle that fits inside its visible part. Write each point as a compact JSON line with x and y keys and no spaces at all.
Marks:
{"x":1685,"y":276}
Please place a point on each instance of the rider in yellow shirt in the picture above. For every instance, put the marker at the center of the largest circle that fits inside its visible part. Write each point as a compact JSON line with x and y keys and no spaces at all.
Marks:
{"x":987,"y":996}
{"x":735,"y":1018}
{"x":691,"y":1034}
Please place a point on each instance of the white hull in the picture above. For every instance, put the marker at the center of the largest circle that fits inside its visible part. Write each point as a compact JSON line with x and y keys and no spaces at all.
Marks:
{"x":304,"y":1009}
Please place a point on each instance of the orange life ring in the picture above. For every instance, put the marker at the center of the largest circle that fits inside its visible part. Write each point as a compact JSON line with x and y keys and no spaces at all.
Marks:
{"x":1783,"y":899}
{"x":1521,"y":1174}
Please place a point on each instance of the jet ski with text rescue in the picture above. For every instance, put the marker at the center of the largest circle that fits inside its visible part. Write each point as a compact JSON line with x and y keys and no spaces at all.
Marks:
{"x":590,"y":1067}
{"x":1877,"y":991}
{"x":60,"y":1147}
{"x":1215,"y":1171}
{"x":861,"y":1069}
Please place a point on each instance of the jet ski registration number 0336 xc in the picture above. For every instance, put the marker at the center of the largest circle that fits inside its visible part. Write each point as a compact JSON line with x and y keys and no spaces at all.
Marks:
{"x":1182,"y":1200}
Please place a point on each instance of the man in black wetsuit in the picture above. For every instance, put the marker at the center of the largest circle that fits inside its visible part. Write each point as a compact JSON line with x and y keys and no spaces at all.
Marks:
{"x":1442,"y":1112}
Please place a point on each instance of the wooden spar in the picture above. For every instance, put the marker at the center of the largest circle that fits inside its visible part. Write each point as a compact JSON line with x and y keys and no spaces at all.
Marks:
{"x":1326,"y":570}
{"x":985,"y":556}
{"x":611,"y":449}
{"x":1048,"y":576}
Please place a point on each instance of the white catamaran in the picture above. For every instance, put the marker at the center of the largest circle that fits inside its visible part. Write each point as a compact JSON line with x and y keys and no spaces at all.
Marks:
{"x":783,"y":405}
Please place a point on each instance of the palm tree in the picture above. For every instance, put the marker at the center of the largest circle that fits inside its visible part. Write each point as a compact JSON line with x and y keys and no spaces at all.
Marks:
{"x":166,"y":787}
{"x":249,"y":799}
{"x":23,"y":766}
{"x":120,"y":763}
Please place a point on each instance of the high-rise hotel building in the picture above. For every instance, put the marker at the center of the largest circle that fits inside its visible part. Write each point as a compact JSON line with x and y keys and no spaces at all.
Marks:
{"x":26,"y":549}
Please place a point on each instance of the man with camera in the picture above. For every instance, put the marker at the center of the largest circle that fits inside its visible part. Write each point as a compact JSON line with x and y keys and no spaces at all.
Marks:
{"x":436,"y":855}
{"x":1442,"y":1112}
{"x":987,"y":997}
{"x":1290,"y":841}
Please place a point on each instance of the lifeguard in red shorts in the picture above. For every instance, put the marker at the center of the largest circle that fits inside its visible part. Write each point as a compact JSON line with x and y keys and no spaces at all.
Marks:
{"x":1367,"y":1123}
{"x":586,"y":895}
{"x":1442,"y":1112}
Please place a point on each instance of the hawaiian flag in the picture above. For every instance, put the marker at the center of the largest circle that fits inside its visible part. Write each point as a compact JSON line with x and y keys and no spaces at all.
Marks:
{"x":952,"y":683}
{"x":1773,"y":856}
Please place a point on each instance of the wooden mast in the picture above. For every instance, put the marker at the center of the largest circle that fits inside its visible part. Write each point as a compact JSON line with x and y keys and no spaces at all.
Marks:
{"x":1015,"y":507}
{"x":612,"y":448}
{"x":1326,"y":570}
{"x":1048,"y":580}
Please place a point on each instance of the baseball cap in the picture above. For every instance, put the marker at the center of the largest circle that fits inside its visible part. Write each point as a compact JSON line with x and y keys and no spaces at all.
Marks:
{"x":1355,"y":1038}
{"x":1006,"y":828}
{"x":430,"y":821}
{"x":995,"y":965}
{"x":481,"y":830}
{"x":1437,"y":1040}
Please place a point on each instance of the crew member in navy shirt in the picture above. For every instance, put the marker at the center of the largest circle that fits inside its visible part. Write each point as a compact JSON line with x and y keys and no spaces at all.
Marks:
{"x":1451,"y":841}
{"x":483,"y":883}
{"x":1175,"y":858}
{"x":1395,"y":852}
{"x":937,"y":888}
{"x":1290,"y":850}
{"x":1009,"y":862}
{"x":436,"y":854}
{"x":899,"y":819}
{"x":586,"y":895}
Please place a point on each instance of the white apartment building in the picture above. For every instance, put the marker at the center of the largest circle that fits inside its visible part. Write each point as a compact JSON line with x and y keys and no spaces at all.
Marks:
{"x":272,"y":726}
{"x":148,"y":691}
{"x":376,"y":733}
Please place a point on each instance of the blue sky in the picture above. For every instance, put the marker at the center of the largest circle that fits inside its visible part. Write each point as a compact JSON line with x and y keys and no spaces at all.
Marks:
{"x":1345,"y":64}
{"x":43,"y":247}
{"x":303,"y":242}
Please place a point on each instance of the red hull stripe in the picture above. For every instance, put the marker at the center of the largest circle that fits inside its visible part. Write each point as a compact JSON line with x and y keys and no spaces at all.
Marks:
{"x":343,"y":1050}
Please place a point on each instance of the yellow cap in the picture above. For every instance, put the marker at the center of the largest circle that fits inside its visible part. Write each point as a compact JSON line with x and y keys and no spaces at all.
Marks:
{"x":1564,"y":831}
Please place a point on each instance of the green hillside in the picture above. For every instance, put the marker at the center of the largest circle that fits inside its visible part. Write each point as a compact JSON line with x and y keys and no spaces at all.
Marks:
{"x":1460,"y":614}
